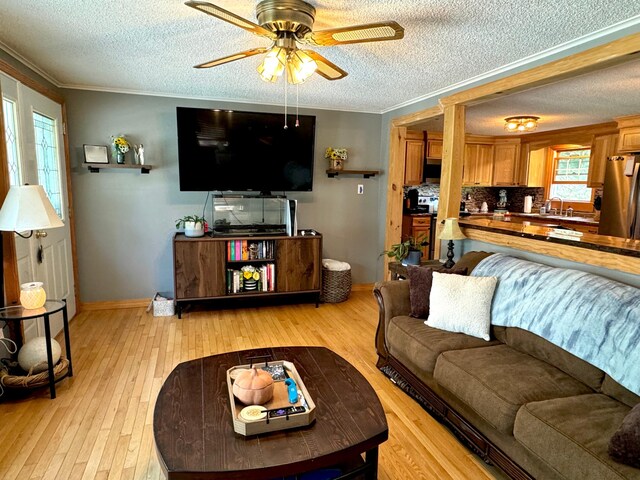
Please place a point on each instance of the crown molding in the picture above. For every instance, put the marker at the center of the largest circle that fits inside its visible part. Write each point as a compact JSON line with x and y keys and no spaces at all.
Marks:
{"x":29,"y":64}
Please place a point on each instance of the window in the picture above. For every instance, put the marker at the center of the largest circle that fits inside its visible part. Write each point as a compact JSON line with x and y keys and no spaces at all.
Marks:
{"x":47,"y":158}
{"x":569,"y":175}
{"x":11,"y":137}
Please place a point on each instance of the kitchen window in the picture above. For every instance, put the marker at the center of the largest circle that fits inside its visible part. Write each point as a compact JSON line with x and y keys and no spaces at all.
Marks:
{"x":569,"y":176}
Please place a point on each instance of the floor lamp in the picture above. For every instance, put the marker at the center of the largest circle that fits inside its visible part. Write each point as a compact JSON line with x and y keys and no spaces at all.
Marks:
{"x":451,"y":231}
{"x":27,"y":207}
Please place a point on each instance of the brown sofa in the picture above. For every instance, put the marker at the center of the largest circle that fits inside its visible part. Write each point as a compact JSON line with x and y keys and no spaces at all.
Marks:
{"x":520,"y":402}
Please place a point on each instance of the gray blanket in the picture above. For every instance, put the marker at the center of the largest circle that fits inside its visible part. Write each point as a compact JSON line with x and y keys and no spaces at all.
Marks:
{"x":592,"y":317}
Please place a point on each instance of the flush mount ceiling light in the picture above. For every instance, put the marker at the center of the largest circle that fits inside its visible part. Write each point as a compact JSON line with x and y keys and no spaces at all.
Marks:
{"x":521,"y":123}
{"x":288,"y":23}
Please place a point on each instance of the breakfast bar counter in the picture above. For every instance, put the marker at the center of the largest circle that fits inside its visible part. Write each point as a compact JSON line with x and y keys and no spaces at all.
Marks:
{"x":473,"y":228}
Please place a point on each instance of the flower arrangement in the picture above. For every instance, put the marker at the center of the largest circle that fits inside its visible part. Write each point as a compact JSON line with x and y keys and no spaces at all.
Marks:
{"x":249,"y":272}
{"x":120,"y":146}
{"x":337,"y":157}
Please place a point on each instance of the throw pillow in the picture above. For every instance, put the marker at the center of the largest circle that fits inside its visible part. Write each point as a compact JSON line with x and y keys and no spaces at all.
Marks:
{"x":461,"y":304}
{"x":420,"y":286}
{"x":624,"y":446}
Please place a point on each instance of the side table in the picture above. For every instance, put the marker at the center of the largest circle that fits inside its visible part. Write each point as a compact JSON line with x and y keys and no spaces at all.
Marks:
{"x":399,"y":271}
{"x":20,"y":314}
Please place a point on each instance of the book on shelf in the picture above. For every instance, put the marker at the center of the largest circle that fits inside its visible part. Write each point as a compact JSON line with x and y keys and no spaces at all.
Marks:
{"x":239,"y":250}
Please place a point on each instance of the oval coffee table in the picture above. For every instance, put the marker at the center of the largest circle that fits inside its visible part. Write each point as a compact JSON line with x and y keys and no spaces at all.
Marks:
{"x":194,"y":434}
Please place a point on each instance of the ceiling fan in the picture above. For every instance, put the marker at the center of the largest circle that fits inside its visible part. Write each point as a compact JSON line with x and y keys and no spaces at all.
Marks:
{"x":288,"y":23}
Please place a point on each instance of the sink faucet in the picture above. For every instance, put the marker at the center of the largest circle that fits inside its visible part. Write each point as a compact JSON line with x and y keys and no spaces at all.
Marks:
{"x":561,"y":203}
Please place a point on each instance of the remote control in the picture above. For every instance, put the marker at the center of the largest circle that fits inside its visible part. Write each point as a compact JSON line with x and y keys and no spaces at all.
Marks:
{"x":283,"y":412}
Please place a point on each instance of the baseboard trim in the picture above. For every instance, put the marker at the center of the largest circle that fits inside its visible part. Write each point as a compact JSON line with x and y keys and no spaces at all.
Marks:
{"x":144,"y":302}
{"x":115,"y":304}
{"x":362,"y":287}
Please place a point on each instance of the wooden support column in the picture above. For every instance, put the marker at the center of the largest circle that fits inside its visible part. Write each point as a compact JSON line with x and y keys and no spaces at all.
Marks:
{"x":393,"y":230}
{"x":452,"y":159}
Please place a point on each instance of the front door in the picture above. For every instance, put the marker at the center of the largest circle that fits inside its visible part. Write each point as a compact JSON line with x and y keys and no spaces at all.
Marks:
{"x":39,"y":146}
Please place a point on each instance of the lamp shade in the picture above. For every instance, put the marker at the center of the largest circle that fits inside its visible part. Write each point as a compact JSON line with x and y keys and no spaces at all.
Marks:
{"x":451,"y":230}
{"x":27,"y":207}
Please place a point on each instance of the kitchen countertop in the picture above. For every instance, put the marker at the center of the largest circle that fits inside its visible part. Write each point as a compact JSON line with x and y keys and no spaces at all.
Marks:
{"x":603,"y":243}
{"x":538,"y":218}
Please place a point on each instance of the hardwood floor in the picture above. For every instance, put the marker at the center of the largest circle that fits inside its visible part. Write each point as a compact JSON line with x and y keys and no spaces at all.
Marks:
{"x":100,"y":426}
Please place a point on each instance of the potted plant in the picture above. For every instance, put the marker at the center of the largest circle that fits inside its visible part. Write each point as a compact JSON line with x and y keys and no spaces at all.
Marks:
{"x":194,"y":226}
{"x":409,"y":251}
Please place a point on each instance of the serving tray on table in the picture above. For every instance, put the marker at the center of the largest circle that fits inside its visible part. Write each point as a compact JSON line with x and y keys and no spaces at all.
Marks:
{"x":279,"y":401}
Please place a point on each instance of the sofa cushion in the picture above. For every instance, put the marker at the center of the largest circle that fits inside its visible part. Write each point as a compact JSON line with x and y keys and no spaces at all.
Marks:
{"x":462,"y":304}
{"x":496,"y":381}
{"x":420,"y":281}
{"x":624,"y":446}
{"x":571,"y":435}
{"x":614,"y":389}
{"x":417,"y":346}
{"x":538,"y":347}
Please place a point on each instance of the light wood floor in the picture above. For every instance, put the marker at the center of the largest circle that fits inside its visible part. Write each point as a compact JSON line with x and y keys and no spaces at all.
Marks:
{"x":100,"y":426}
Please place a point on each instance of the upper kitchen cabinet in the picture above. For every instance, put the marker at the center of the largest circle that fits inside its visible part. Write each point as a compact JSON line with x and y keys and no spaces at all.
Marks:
{"x":506,"y":155}
{"x":533,"y":165}
{"x":629,"y":139}
{"x":434,"y":146}
{"x":414,"y":158}
{"x":477,"y":169}
{"x":602,"y":146}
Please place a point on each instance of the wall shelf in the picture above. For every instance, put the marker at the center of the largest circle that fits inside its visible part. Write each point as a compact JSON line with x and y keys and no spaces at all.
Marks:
{"x":365,"y":173}
{"x":96,"y":167}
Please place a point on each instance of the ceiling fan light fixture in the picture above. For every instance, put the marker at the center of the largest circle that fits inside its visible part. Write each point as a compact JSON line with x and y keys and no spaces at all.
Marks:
{"x":523,"y":123}
{"x":273,"y":65}
{"x":300,"y":66}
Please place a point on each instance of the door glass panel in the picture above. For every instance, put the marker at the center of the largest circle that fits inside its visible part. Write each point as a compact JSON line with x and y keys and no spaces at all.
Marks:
{"x":11,"y":136}
{"x":47,"y":158}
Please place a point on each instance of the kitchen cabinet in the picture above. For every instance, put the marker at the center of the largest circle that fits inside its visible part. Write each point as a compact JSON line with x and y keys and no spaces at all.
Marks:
{"x":414,"y":158}
{"x":602,"y":146}
{"x":629,"y":135}
{"x":505,"y":163}
{"x":434,"y":148}
{"x":629,"y":140}
{"x":477,"y":168}
{"x":533,"y":165}
{"x":418,"y":226}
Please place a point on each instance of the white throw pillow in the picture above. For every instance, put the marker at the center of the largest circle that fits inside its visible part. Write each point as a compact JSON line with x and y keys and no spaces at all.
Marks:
{"x":461,"y":304}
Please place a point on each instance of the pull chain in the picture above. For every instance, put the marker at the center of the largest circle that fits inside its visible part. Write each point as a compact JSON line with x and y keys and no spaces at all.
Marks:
{"x":297,"y":104}
{"x":285,"y":99}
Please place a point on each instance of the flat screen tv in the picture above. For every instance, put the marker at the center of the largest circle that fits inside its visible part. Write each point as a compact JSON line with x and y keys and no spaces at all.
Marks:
{"x":220,"y":150}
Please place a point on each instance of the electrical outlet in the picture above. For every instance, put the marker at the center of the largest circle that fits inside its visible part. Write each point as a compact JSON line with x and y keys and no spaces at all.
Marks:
{"x":1,"y":333}
{"x":360,"y":189}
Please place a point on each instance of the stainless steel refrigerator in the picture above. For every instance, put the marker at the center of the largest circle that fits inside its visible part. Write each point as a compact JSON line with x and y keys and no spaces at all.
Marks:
{"x":621,"y":198}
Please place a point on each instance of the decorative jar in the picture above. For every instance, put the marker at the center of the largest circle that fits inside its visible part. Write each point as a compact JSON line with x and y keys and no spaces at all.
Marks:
{"x":32,"y":295}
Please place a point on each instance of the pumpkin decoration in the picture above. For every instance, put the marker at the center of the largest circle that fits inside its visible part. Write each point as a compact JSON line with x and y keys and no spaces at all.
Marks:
{"x":253,"y":387}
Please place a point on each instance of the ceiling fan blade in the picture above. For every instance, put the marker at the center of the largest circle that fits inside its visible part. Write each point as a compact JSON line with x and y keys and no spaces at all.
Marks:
{"x":227,"y":16}
{"x":371,"y":32}
{"x":232,"y":58}
{"x":327,"y":69}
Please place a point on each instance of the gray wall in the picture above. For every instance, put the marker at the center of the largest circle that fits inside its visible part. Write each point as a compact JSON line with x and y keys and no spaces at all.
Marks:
{"x":125,"y":220}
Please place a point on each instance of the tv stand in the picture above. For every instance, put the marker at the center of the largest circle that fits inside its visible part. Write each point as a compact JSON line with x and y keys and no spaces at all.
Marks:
{"x":203,"y":267}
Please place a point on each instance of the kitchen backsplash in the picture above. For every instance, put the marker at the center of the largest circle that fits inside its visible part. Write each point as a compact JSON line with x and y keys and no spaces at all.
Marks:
{"x":474,"y":196}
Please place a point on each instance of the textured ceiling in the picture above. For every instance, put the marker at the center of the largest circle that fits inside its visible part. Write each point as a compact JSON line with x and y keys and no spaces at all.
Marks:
{"x":149,"y":46}
{"x":595,"y":97}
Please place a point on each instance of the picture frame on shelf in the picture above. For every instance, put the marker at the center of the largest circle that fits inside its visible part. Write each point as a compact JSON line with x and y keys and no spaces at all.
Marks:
{"x":96,"y":154}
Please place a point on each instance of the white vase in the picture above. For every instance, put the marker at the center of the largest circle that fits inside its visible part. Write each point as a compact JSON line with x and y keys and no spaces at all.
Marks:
{"x":193,"y":229}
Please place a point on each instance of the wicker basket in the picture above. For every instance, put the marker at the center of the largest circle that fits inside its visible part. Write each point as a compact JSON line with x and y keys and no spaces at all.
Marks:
{"x":35,"y":380}
{"x":336,"y":285}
